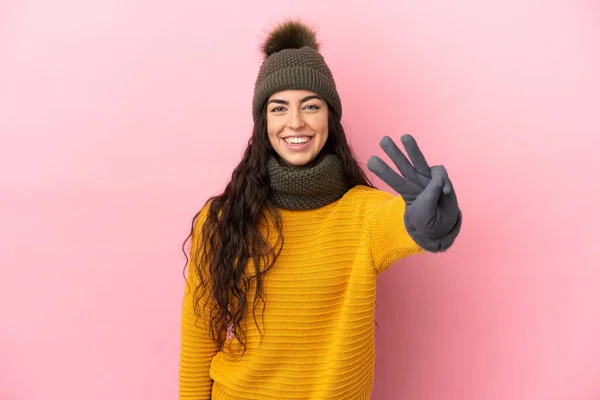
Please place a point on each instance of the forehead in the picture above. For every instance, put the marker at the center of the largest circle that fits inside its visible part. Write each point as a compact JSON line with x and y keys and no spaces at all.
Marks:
{"x":292,"y":94}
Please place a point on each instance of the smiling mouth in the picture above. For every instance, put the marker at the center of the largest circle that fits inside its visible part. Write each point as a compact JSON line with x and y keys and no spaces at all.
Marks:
{"x":299,"y":140}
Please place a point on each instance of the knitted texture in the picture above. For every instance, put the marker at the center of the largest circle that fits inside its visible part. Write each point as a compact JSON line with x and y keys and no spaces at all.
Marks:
{"x":318,"y":323}
{"x":301,"y":69}
{"x":305,"y":188}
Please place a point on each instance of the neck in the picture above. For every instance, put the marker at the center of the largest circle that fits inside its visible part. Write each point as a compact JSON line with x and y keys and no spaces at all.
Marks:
{"x":309,"y":186}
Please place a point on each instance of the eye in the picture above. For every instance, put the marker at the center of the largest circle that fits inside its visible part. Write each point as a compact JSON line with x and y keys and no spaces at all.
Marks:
{"x":314,"y":107}
{"x":277,"y":109}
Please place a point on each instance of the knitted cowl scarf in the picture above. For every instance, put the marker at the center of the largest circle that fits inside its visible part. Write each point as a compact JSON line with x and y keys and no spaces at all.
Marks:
{"x":308,"y":187}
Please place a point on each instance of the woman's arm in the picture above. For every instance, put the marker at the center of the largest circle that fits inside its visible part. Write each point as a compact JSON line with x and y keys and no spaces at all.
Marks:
{"x":392,"y":236}
{"x":389,"y":241}
{"x":197,"y":348}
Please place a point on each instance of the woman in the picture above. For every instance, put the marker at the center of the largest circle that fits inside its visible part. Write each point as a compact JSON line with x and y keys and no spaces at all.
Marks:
{"x":301,"y":230}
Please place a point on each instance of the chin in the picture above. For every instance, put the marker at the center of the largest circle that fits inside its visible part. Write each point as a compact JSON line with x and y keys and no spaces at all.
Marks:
{"x":297,"y":160}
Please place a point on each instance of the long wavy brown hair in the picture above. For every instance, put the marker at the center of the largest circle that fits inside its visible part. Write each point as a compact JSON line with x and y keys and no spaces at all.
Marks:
{"x":231,"y":236}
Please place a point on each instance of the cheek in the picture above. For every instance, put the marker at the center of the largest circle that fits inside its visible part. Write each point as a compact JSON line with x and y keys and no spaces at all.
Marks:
{"x":272,"y":130}
{"x":270,"y":133}
{"x":322,"y":127}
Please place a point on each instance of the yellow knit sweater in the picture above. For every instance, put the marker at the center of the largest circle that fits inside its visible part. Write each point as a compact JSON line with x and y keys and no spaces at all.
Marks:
{"x":318,"y":322}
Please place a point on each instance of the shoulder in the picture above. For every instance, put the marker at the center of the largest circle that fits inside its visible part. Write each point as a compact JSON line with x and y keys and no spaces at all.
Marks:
{"x":363,"y":199}
{"x":200,"y":218}
{"x":367,"y":195}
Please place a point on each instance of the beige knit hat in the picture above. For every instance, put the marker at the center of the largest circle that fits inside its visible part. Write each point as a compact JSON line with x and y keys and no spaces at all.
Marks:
{"x":292,"y":61}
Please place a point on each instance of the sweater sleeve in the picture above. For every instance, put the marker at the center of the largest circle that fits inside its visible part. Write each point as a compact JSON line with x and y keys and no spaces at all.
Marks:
{"x":197,"y":348}
{"x":389,"y":240}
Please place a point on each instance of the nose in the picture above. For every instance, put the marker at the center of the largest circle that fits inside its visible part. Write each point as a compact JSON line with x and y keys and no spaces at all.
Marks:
{"x":295,"y":121}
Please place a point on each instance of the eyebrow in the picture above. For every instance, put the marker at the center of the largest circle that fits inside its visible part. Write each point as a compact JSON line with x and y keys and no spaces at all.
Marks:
{"x":307,"y":98}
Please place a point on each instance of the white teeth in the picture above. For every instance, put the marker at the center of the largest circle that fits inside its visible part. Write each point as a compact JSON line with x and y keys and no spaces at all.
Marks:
{"x":297,"y":140}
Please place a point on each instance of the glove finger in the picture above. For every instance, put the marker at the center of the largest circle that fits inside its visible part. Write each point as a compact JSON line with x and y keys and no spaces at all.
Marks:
{"x":415,"y":154}
{"x":431,"y":195}
{"x":406,"y":189}
{"x":399,"y":159}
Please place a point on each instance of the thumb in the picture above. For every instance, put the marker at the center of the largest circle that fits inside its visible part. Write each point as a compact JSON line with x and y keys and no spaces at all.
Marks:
{"x":432,"y":192}
{"x":447,"y":184}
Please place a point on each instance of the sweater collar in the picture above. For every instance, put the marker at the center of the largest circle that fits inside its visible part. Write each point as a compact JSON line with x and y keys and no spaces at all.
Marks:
{"x":308,"y":187}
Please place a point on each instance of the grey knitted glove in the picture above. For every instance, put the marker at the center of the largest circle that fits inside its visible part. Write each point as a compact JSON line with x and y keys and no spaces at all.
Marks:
{"x":432,"y":216}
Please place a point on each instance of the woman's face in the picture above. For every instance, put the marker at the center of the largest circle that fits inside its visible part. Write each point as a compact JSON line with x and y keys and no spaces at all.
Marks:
{"x":297,"y":125}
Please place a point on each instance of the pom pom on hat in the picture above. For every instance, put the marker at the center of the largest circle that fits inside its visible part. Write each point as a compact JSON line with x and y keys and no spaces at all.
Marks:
{"x":290,"y":35}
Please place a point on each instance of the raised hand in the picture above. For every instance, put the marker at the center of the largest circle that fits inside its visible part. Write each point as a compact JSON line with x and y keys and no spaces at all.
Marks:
{"x":431,"y":204}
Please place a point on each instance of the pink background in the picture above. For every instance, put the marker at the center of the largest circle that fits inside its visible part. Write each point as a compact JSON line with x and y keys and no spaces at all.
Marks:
{"x":119,"y":118}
